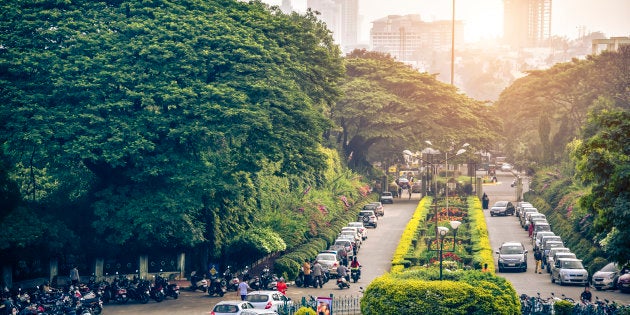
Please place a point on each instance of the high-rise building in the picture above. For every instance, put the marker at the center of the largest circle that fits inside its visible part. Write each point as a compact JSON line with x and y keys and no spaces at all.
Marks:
{"x":408,"y":37}
{"x":526,"y":23}
{"x":286,"y":6}
{"x":341,"y":17}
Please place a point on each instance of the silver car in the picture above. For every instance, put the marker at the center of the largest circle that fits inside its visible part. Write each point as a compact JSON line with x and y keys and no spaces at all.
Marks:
{"x":606,"y":278}
{"x":569,"y":271}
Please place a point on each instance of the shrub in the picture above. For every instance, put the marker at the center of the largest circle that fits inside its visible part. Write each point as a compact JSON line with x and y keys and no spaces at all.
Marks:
{"x":305,"y":311}
{"x":408,"y":293}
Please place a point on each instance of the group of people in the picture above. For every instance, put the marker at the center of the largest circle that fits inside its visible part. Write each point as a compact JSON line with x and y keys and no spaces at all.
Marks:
{"x":314,"y":273}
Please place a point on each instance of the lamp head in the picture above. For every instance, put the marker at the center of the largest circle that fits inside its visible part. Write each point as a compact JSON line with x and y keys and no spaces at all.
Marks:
{"x":460,"y":151}
{"x":442,"y":230}
{"x":428,"y":142}
{"x":455,"y":224}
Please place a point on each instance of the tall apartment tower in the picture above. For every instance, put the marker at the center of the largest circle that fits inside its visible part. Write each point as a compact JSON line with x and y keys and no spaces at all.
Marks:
{"x":526,"y":23}
{"x":341,"y":17}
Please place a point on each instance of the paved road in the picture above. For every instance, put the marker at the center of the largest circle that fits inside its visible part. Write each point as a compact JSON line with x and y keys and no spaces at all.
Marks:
{"x":503,"y":229}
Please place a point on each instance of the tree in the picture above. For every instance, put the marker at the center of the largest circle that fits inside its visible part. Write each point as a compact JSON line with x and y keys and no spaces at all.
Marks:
{"x":151,"y":119}
{"x":602,"y":161}
{"x":386,"y":101}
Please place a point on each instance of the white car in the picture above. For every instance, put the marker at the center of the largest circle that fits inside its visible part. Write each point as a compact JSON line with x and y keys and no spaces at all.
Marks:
{"x":506,"y":167}
{"x":362,"y":229}
{"x":231,"y":307}
{"x":569,"y":271}
{"x":269,"y":300}
{"x":387,"y":197}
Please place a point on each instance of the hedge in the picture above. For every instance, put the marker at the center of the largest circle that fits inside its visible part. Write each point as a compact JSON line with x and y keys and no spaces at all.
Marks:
{"x":409,"y":234}
{"x":482,"y":250}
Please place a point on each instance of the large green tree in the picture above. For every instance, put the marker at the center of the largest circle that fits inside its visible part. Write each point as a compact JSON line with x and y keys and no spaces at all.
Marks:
{"x":147,"y":121}
{"x":389,"y":103}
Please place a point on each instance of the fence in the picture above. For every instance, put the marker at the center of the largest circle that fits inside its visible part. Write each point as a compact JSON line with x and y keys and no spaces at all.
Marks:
{"x":342,"y":305}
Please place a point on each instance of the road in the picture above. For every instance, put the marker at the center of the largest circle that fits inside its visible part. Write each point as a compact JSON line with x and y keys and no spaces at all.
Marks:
{"x":376,"y":253}
{"x":503,"y":229}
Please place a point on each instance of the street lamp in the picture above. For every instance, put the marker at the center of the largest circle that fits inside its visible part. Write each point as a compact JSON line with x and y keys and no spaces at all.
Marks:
{"x":442,"y":231}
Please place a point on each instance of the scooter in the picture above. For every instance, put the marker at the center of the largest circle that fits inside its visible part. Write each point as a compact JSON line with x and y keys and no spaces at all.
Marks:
{"x":217,"y":287}
{"x":355,"y":274}
{"x":342,"y":282}
{"x":198,"y":282}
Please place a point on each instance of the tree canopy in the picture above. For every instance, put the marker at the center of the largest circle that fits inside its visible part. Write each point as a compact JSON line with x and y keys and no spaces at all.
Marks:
{"x":141,"y":120}
{"x":389,"y":103}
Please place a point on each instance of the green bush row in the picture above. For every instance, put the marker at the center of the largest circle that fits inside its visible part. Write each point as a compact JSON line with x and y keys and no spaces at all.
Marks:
{"x":481,"y":248}
{"x":466,"y":292}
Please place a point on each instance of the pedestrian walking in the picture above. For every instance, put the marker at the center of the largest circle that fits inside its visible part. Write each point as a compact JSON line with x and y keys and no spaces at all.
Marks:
{"x":74,"y":275}
{"x":538,"y":257}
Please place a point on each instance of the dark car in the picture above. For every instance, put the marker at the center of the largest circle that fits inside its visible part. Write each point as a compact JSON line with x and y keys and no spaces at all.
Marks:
{"x":512,"y":255}
{"x":502,"y":208}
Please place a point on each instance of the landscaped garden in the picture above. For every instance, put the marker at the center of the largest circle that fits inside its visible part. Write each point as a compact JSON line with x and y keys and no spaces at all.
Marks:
{"x":419,"y":283}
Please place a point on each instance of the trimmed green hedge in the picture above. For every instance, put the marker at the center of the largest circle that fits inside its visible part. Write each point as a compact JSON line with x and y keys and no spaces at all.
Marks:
{"x":473,"y":292}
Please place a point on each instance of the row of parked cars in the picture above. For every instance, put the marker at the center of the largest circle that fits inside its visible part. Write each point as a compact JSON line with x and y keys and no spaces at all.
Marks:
{"x":557,"y":260}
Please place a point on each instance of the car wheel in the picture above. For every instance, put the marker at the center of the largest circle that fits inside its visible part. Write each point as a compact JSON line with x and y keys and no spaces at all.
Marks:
{"x":491,"y":214}
{"x":553,"y":280}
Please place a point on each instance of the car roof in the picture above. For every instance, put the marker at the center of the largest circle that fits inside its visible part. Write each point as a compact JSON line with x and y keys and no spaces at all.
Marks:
{"x":512,"y":243}
{"x":568,"y":259}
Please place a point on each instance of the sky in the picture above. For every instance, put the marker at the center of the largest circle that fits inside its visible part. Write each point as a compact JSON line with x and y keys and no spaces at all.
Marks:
{"x":483,"y":19}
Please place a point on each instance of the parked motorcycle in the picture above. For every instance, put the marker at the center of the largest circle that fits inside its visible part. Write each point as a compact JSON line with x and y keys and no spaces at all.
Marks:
{"x":231,"y":279}
{"x":157,"y":291}
{"x":170,"y":289}
{"x":245,"y":274}
{"x":139,"y":290}
{"x":255,"y":283}
{"x":118,"y":290}
{"x":217,"y":287}
{"x":198,"y":282}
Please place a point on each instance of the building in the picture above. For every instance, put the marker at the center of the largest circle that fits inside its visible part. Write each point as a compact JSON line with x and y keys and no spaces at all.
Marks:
{"x":526,"y":23}
{"x":408,"y":37}
{"x":341,"y":17}
{"x":610,"y":44}
{"x":286,"y":6}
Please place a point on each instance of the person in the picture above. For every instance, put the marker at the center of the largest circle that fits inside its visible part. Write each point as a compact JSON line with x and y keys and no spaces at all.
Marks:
{"x":74,"y":276}
{"x":342,"y":271}
{"x":316,"y":273}
{"x":282,"y":286}
{"x":538,"y":257}
{"x":355,"y":264}
{"x":322,"y":308}
{"x":409,"y":190}
{"x":344,"y":255}
{"x":485,"y":268}
{"x":243,"y":288}
{"x":586,"y":295}
{"x":399,"y":191}
{"x":485,"y":201}
{"x":306,"y":267}
{"x":530,"y":229}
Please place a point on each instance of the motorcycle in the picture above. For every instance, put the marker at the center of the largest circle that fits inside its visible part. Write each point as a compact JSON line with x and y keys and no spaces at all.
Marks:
{"x":245,"y":274}
{"x":255,"y":283}
{"x":217,"y":287}
{"x":355,"y":274}
{"x":157,"y":291}
{"x":342,"y":282}
{"x":170,"y":289}
{"x":231,"y":279}
{"x":139,"y":290}
{"x":198,"y":282}
{"x":118,"y":290}
{"x":266,"y":278}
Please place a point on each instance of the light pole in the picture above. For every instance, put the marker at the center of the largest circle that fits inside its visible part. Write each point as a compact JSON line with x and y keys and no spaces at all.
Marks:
{"x":442,"y":231}
{"x":459,"y":152}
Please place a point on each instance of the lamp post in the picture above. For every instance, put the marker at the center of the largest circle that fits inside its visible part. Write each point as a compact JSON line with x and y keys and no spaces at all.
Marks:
{"x":442,"y":231}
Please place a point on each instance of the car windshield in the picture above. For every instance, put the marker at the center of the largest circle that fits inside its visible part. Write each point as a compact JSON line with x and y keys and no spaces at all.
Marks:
{"x":226,"y":308}
{"x":330,"y":257}
{"x":355,"y":224}
{"x":364,"y":213}
{"x":572,"y":264}
{"x":511,"y":250}
{"x":610,"y":268}
{"x":257,"y":298}
{"x":500,"y":204}
{"x":369,"y":206}
{"x":553,"y":244}
{"x":342,"y":243}
{"x":387,"y":194}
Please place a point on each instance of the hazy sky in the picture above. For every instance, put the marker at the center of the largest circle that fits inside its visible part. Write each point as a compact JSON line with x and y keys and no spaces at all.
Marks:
{"x":484,"y":18}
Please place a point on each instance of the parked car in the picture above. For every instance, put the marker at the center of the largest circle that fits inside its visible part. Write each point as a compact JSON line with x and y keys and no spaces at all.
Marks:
{"x":361,"y":227}
{"x":346,"y":244}
{"x":606,"y":278}
{"x":529,"y":216}
{"x":623,"y":283}
{"x":368,"y":217}
{"x":269,"y":300}
{"x":502,"y":208}
{"x":351,"y":235}
{"x":569,"y":271}
{"x":537,"y":240}
{"x":380,"y":210}
{"x":512,"y":255}
{"x":541,"y":227}
{"x":506,"y":167}
{"x":387,"y":197}
{"x":547,"y":246}
{"x":355,"y":230}
{"x":548,"y":238}
{"x":329,"y":260}
{"x":523,"y":217}
{"x":231,"y":307}
{"x":521,"y":205}
{"x":552,"y":254}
